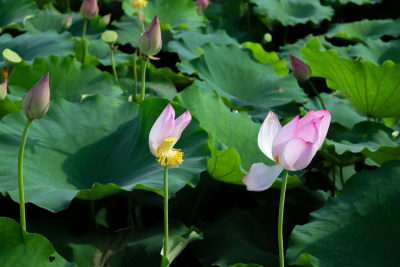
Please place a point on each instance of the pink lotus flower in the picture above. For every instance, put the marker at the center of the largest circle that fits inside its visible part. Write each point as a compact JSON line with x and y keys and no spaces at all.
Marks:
{"x":36,"y":102}
{"x":3,"y":90}
{"x":301,"y":70}
{"x":202,"y":4}
{"x":292,"y":147}
{"x":89,"y":9}
{"x":164,"y":134}
{"x":150,"y":42}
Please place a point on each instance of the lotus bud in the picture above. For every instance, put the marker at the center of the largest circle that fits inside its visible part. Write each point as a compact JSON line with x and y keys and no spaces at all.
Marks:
{"x":202,"y":4}
{"x":150,"y":42}
{"x":66,"y":22}
{"x":36,"y":102}
{"x":105,"y":20}
{"x":301,"y":70}
{"x":3,"y":90}
{"x":89,"y":9}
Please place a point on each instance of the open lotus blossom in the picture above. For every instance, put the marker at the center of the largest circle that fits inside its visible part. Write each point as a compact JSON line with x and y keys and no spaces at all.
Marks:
{"x":35,"y":103}
{"x":164,"y":134}
{"x":292,"y":147}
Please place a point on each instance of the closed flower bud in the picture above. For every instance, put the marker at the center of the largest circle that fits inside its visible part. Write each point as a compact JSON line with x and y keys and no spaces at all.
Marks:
{"x":301,"y":70}
{"x":3,"y":90}
{"x":89,"y":9}
{"x":105,"y":20}
{"x":66,"y":22}
{"x":36,"y":102}
{"x":150,"y":42}
{"x":202,"y":4}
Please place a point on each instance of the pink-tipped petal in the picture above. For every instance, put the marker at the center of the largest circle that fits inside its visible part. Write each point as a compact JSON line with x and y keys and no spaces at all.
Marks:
{"x":283,"y":136}
{"x":180,"y":124}
{"x":162,"y":128}
{"x":267,"y":133}
{"x":297,"y":155}
{"x":323,"y":127}
{"x":260,"y":176}
{"x":309,"y":131}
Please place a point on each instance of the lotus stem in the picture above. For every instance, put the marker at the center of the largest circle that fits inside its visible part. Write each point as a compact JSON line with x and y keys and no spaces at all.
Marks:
{"x":280,"y":219}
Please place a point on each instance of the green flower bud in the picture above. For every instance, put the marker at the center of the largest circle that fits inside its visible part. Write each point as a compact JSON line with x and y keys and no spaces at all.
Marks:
{"x":150,"y":42}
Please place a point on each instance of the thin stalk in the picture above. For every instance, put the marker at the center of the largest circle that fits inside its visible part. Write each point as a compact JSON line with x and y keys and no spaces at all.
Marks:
{"x":333,"y":180}
{"x":21,"y":174}
{"x":143,"y":77}
{"x":280,"y":219}
{"x":316,"y":92}
{"x":341,"y":176}
{"x":165,"y":211}
{"x":138,"y":210}
{"x":130,"y":216}
{"x":84,"y":41}
{"x":68,"y":6}
{"x":113,"y":63}
{"x":135,"y":77}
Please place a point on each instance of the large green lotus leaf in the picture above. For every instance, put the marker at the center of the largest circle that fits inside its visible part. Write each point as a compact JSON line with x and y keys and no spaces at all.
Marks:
{"x":128,"y":29}
{"x":369,"y":138}
{"x":45,"y":21}
{"x":265,"y":57}
{"x":360,"y":31}
{"x":235,"y":75}
{"x":346,"y":115}
{"x":14,"y":12}
{"x":188,"y":43}
{"x":358,"y":228}
{"x":167,"y":12}
{"x":377,"y":51}
{"x":93,"y":149}
{"x":8,"y":106}
{"x":292,"y":12}
{"x":19,"y":248}
{"x":29,"y":46}
{"x":69,"y":79}
{"x":234,"y":143}
{"x":372,"y":89}
{"x":94,"y":27}
{"x":295,"y":48}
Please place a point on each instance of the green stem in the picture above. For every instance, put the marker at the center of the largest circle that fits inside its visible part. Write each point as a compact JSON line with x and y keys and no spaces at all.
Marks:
{"x":84,"y":41}
{"x":341,"y":176}
{"x":280,"y":219}
{"x":165,"y":211}
{"x":333,"y":181}
{"x":138,"y":210}
{"x":113,"y":63}
{"x":68,"y":6}
{"x":130,"y":216}
{"x":135,"y":77}
{"x":143,"y":78}
{"x":21,"y":174}
{"x":316,"y":92}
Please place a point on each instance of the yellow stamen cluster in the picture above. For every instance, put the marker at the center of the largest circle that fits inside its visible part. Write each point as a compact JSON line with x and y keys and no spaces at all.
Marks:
{"x":138,"y":3}
{"x":167,"y":155}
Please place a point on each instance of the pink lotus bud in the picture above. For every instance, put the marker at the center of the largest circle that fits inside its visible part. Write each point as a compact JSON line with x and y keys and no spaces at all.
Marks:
{"x":202,"y":4}
{"x":3,"y":90}
{"x":36,"y":102}
{"x":66,"y":22}
{"x":150,"y":42}
{"x":292,"y":146}
{"x":105,"y":20}
{"x":301,"y":70}
{"x":89,"y":9}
